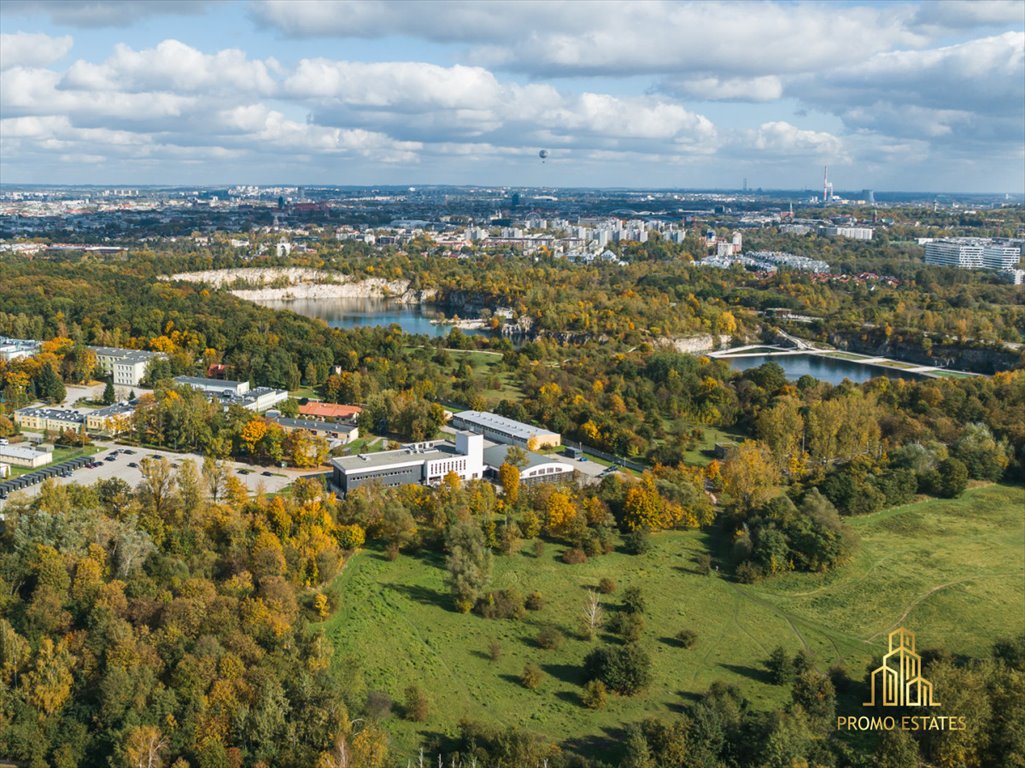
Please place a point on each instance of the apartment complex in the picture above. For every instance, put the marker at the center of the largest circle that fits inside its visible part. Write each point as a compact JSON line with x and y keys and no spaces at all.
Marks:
{"x":972,"y":253}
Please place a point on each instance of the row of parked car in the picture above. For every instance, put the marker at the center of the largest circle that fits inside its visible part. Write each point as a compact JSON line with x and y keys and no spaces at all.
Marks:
{"x":64,"y":469}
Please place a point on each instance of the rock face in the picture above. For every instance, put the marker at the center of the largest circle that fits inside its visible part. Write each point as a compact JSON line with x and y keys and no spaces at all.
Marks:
{"x":705,"y":342}
{"x":285,"y":283}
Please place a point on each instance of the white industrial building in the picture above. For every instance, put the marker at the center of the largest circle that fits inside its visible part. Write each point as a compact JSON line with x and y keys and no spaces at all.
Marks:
{"x":503,"y":430}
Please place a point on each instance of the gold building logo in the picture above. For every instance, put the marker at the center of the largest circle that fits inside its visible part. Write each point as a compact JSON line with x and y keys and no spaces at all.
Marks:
{"x":898,"y":681}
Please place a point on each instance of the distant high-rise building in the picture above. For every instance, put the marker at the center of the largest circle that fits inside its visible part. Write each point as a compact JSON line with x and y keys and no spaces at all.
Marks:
{"x":870,"y":196}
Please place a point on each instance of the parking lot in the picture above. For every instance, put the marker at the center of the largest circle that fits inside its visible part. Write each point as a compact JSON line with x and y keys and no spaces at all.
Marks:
{"x":123,"y":463}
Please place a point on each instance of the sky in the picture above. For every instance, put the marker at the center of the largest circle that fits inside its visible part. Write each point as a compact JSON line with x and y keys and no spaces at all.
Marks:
{"x":907,"y":96}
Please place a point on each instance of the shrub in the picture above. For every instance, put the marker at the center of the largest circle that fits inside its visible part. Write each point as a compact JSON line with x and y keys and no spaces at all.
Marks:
{"x":803,"y":661}
{"x":494,"y":650}
{"x":539,"y":548}
{"x":606,"y":586}
{"x":625,"y":670}
{"x":749,"y":573}
{"x":596,"y":695}
{"x":627,"y":625}
{"x":633,"y":600}
{"x":574,"y":556}
{"x":637,"y":542}
{"x":704,"y":563}
{"x":686,"y":638}
{"x":531,"y":525}
{"x":379,"y":705}
{"x":549,"y":638}
{"x":416,"y":706}
{"x":350,"y":536}
{"x":535,"y":601}
{"x":532,"y":677}
{"x":502,"y":604}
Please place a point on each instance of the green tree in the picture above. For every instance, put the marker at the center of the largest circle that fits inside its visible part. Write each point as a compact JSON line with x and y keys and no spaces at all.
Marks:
{"x":108,"y":393}
{"x":468,"y":563}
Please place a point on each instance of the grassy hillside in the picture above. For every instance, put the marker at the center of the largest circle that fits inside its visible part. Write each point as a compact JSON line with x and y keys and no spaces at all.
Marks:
{"x":952,"y":571}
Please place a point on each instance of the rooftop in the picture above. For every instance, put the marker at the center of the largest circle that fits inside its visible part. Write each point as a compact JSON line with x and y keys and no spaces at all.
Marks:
{"x":51,"y":413}
{"x":501,"y":423}
{"x":329,"y":410}
{"x":200,"y":382}
{"x":408,"y":455}
{"x":495,"y":456}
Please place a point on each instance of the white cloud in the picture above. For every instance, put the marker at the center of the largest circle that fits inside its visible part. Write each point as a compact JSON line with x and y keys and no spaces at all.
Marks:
{"x":615,"y":38}
{"x":968,"y":92}
{"x":781,"y":138}
{"x":103,"y":13}
{"x":28,"y":49}
{"x":713,"y":88}
{"x":172,"y":66}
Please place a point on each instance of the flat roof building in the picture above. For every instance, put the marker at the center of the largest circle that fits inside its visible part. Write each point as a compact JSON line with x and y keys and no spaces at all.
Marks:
{"x":12,"y":349}
{"x":218,"y":387}
{"x":414,"y":464}
{"x":111,"y":421}
{"x":23,"y":456}
{"x":53,"y":419}
{"x":126,"y":367}
{"x":503,"y":430}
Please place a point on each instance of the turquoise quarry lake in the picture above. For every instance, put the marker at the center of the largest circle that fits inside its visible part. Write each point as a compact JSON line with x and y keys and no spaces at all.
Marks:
{"x":368,"y":312}
{"x":824,"y":368}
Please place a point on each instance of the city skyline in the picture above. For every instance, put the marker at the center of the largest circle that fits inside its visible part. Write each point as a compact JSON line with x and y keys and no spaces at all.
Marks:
{"x":892,"y":96}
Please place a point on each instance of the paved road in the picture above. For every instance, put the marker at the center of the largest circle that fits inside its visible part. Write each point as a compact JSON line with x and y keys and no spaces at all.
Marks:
{"x":274,"y":480}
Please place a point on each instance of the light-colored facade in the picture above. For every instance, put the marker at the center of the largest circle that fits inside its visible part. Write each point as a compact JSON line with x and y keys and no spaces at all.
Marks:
{"x":851,"y":233}
{"x":23,"y":456}
{"x":536,"y":469}
{"x":507,"y":431}
{"x":111,"y":421}
{"x":973,"y":253}
{"x":415,"y":464}
{"x":127,"y":367}
{"x":12,"y":349}
{"x":218,"y":387}
{"x":52,"y":419}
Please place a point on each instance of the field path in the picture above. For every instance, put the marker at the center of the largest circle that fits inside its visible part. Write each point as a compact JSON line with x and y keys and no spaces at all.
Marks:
{"x":926,"y":595}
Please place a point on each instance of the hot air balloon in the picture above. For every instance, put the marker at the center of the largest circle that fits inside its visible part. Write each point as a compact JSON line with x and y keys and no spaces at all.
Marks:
{"x":543,"y":154}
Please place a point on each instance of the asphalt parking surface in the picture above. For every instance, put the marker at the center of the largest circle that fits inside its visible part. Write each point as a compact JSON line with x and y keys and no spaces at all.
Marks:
{"x":119,"y":466}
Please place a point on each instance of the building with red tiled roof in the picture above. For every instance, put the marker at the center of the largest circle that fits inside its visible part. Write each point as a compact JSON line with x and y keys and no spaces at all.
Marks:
{"x":329,"y":410}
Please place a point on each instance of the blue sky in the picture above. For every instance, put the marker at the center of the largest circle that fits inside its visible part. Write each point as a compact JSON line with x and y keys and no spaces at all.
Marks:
{"x":893,"y":96}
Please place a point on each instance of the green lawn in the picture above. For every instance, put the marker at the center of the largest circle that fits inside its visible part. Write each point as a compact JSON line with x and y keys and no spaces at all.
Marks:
{"x":952,"y":571}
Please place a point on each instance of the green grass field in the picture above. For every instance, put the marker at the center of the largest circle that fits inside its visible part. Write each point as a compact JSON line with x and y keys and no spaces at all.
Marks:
{"x":952,"y":571}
